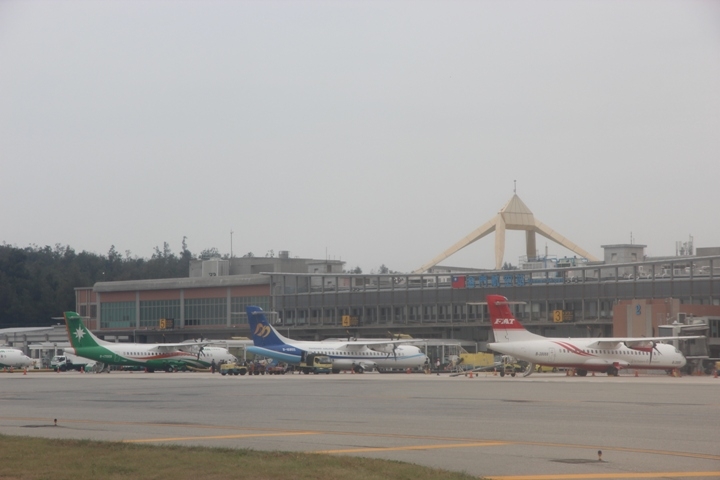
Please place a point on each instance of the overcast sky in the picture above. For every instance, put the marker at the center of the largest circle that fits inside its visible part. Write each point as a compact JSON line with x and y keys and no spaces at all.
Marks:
{"x":375,"y":132}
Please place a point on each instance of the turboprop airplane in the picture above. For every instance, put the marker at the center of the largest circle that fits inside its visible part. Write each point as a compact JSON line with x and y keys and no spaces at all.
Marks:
{"x":606,"y":355}
{"x":12,"y":358}
{"x":153,"y":356}
{"x":355,"y":355}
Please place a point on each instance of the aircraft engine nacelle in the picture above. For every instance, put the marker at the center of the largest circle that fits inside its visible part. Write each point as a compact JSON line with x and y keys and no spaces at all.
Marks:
{"x":386,"y":348}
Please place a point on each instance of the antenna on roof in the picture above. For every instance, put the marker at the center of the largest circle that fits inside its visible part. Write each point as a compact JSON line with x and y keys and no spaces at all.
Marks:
{"x":514,"y":186}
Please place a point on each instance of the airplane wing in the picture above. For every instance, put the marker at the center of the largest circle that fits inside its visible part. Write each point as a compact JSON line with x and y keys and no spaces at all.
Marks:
{"x":371,"y":343}
{"x":635,"y":342}
{"x":165,"y":348}
{"x":382,"y":346}
{"x":185,"y":347}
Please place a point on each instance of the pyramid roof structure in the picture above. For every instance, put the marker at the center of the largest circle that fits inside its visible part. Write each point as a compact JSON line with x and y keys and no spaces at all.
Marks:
{"x":514,"y":215}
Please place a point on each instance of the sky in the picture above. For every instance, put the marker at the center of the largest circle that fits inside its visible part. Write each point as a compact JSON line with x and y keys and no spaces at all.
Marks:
{"x":373,"y":132}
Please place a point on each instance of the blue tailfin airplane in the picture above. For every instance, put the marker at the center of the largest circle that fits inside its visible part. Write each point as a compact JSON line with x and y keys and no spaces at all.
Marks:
{"x":356,"y":355}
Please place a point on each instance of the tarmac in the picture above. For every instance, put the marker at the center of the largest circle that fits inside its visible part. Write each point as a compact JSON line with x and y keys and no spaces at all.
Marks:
{"x":545,"y":426}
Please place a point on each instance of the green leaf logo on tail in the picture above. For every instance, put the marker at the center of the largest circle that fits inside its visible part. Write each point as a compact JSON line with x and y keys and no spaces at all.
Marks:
{"x":78,"y":334}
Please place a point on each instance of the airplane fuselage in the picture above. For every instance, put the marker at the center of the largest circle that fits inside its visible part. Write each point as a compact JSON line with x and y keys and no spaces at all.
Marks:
{"x":580,"y":353}
{"x":10,"y":357}
{"x":147,"y":355}
{"x":345,"y":356}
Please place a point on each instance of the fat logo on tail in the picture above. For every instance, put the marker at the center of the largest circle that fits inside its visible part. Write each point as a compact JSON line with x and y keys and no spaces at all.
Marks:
{"x":506,"y":327}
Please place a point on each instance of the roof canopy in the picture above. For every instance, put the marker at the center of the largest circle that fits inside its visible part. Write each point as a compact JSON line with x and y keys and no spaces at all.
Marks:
{"x":515,"y":215}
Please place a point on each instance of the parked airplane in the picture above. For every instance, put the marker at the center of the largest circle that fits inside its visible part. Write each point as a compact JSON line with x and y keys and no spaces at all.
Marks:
{"x":606,"y":355}
{"x":153,"y":356}
{"x":356,"y":355}
{"x":12,"y":358}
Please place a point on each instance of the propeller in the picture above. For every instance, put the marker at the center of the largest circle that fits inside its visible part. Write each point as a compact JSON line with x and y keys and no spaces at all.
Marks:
{"x":393,"y":353}
{"x":646,"y":349}
{"x":654,"y":347}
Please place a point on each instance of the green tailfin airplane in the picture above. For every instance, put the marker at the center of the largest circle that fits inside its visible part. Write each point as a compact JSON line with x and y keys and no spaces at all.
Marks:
{"x":152,"y":356}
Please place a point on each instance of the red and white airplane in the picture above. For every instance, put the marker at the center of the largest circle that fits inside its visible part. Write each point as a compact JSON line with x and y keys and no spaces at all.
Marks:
{"x":606,"y":355}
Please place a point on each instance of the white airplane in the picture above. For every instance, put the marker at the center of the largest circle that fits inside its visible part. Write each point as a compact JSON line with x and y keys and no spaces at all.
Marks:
{"x":12,"y":358}
{"x":606,"y":355}
{"x":357,"y":355}
{"x":153,"y":356}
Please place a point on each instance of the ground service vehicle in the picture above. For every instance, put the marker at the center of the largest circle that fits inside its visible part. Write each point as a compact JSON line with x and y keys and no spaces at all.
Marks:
{"x":233,"y":369}
{"x":543,"y":369}
{"x":256,"y":368}
{"x":276,"y":370}
{"x":508,"y":366}
{"x":66,"y":362}
{"x":315,"y":363}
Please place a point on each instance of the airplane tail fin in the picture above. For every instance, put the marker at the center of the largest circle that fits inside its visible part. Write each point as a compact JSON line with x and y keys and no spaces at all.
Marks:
{"x":78,"y":334}
{"x":263,"y":334}
{"x":506,"y":327}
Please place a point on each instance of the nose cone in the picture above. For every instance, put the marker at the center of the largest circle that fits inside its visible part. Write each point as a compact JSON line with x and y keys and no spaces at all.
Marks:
{"x":497,"y":347}
{"x":683,"y":361}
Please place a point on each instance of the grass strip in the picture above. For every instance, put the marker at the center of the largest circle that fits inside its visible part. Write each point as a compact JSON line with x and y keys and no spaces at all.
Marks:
{"x":32,"y":458}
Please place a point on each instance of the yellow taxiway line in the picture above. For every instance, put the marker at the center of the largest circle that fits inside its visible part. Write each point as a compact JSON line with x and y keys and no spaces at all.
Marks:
{"x":411,"y":447}
{"x":220,"y":437}
{"x":588,"y":476}
{"x":455,"y":442}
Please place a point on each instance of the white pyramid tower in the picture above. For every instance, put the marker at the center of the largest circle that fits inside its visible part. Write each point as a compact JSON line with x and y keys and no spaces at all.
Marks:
{"x":515,"y":215}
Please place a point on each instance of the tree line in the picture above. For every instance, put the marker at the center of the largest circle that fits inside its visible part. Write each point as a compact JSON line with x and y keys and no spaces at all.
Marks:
{"x":38,"y":283}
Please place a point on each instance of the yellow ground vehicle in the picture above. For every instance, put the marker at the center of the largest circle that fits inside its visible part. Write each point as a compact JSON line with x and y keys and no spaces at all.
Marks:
{"x":508,"y":366}
{"x":233,"y":369}
{"x":315,"y":363}
{"x":545,"y":369}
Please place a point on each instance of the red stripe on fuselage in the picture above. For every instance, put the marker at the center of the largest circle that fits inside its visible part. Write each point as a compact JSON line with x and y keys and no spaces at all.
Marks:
{"x":573,"y":349}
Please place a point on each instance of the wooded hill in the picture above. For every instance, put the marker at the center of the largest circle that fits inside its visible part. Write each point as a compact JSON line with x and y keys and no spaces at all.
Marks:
{"x":38,"y":283}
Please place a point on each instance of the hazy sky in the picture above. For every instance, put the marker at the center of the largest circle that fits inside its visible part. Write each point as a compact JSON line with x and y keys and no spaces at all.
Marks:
{"x":376,"y":132}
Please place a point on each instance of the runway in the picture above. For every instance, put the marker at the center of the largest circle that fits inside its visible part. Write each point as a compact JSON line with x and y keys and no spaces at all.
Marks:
{"x":546,"y":426}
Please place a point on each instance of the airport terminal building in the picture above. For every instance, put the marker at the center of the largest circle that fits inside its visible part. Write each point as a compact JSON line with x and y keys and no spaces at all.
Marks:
{"x":625,"y":294}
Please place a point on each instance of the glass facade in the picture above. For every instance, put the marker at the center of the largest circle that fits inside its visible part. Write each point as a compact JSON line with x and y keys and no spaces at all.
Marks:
{"x":205,"y":311}
{"x":238,"y":304}
{"x":197,"y":312}
{"x":151,"y":311}
{"x":117,"y":315}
